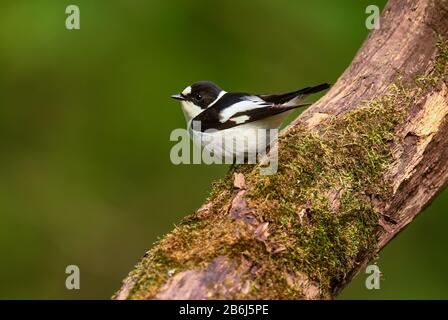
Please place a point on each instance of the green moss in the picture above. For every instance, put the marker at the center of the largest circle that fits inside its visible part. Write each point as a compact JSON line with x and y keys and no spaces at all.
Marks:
{"x":347,"y":157}
{"x":318,"y":205}
{"x":441,"y":65}
{"x":440,"y":70}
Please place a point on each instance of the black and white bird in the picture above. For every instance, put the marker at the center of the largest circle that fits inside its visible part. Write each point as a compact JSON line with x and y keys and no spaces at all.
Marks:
{"x":225,"y":116}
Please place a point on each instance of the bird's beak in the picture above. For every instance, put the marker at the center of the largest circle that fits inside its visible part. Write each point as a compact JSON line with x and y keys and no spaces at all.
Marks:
{"x":179,"y":96}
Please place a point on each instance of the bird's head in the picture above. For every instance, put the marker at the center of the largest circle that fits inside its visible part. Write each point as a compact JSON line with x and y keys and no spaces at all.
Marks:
{"x":197,"y":97}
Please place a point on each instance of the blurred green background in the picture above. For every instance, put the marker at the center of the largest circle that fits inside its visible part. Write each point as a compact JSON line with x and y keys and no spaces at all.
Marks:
{"x":85,"y":119}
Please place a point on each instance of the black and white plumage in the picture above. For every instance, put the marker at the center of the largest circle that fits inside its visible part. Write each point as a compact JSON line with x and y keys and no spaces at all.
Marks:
{"x":228,"y":115}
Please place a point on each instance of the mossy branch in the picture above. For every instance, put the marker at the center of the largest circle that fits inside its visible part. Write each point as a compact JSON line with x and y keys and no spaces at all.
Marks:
{"x":354,"y":170}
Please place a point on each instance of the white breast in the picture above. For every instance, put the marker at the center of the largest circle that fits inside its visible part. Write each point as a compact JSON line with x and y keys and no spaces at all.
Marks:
{"x":240,"y":140}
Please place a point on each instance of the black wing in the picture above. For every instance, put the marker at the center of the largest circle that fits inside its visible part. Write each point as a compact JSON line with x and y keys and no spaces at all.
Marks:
{"x":218,"y":115}
{"x":225,"y":114}
{"x":235,"y":109}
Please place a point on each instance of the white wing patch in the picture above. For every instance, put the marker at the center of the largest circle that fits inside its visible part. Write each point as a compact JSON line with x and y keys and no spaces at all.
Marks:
{"x":250,"y":103}
{"x":240,"y":119}
{"x":217,"y":98}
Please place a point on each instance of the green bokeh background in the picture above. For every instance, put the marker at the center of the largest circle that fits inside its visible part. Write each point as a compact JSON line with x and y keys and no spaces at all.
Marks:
{"x":85,"y":119}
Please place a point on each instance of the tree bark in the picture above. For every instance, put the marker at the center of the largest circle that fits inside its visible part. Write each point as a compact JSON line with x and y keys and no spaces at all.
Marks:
{"x":354,"y":170}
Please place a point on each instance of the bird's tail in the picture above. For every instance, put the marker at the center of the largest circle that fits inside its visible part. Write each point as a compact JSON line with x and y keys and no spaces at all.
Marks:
{"x":315,"y":89}
{"x":296,"y":97}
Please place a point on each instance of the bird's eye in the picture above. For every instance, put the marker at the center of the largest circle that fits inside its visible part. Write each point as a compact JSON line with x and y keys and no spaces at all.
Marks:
{"x":198,"y":97}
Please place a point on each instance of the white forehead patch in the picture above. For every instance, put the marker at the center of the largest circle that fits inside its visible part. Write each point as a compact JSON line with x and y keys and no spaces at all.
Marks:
{"x":187,"y":91}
